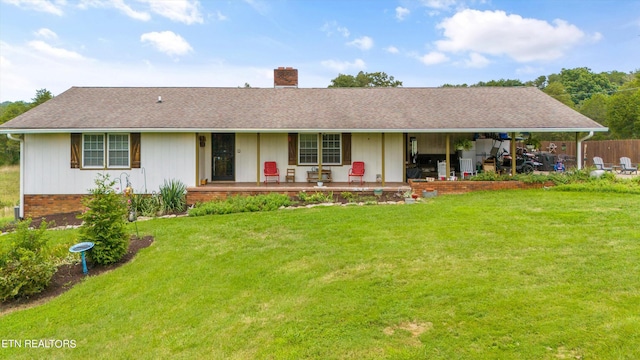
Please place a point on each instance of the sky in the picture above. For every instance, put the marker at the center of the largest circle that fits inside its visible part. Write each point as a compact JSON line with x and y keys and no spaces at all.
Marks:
{"x":57,"y":44}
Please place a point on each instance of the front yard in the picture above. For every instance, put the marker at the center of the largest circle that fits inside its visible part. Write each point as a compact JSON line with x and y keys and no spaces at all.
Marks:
{"x":535,"y":274}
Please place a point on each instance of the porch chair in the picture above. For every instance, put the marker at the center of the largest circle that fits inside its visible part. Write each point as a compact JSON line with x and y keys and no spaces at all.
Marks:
{"x":599,"y":163}
{"x":442,"y":171}
{"x":625,"y":166}
{"x":357,"y":170}
{"x":291,"y":175}
{"x":271,"y":170}
{"x":467,"y":168}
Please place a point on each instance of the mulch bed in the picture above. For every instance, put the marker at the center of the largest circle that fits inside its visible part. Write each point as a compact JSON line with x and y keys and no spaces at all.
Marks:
{"x":68,"y":275}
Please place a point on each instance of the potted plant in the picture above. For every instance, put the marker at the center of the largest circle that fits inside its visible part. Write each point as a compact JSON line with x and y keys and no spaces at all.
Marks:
{"x":532,"y":143}
{"x":408,"y":197}
{"x":463,"y":144}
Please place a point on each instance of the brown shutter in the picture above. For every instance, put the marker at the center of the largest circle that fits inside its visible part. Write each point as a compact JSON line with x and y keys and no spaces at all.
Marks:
{"x":293,"y":149}
{"x":135,"y":150}
{"x":346,"y":148}
{"x":76,"y":148}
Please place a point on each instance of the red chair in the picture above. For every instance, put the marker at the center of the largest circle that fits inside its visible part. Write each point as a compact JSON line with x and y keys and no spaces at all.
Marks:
{"x":271,"y":170}
{"x":357,"y":170}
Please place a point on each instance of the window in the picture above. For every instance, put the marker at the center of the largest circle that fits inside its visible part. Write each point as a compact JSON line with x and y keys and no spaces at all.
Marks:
{"x":98,"y":153}
{"x":93,"y":150}
{"x":118,"y":150}
{"x":308,"y":149}
{"x":331,"y":149}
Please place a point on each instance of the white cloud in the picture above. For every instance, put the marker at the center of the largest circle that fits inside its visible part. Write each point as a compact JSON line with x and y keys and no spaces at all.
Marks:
{"x":402,"y":13}
{"x":55,"y":52}
{"x":363,"y":43}
{"x":167,"y":42}
{"x":476,"y":61}
{"x":261,"y":7}
{"x":343,"y":66}
{"x":46,"y":33}
{"x":438,"y":4}
{"x":392,"y":49}
{"x":433,"y":58}
{"x":4,"y":62}
{"x":219,"y":16}
{"x":496,"y":33}
{"x":184,"y":11}
{"x":39,"y":5}
{"x":118,"y":5}
{"x":332,"y":27}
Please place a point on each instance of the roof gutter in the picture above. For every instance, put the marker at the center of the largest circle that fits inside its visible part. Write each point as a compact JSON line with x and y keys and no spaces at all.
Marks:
{"x":579,"y":159}
{"x":20,"y":139}
{"x":288,"y":130}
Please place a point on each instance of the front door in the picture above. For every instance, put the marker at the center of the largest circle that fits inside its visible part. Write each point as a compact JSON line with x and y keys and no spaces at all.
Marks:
{"x":222,"y":157}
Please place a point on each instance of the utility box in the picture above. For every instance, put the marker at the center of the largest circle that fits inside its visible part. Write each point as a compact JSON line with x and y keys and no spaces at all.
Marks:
{"x":16,"y":213}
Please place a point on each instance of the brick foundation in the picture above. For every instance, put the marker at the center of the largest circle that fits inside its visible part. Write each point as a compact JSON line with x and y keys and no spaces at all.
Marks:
{"x":460,"y":187}
{"x":36,"y":206}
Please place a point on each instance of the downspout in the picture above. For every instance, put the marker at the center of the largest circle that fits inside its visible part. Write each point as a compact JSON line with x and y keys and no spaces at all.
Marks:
{"x":20,"y":139}
{"x":579,"y":148}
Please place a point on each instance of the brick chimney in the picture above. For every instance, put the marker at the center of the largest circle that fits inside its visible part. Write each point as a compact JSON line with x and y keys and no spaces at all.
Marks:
{"x":285,"y":77}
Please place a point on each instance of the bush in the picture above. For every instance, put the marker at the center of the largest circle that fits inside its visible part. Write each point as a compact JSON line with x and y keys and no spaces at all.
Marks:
{"x":173,"y":196}
{"x":146,"y":205}
{"x":238,"y":204}
{"x":105,"y":222}
{"x":27,"y":268}
{"x":315,"y":198}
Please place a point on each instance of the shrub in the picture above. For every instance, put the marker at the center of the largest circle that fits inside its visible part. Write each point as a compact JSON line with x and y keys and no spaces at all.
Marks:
{"x":146,"y":205}
{"x":173,"y":196}
{"x":27,"y":268}
{"x":105,"y":222}
{"x":315,"y":198}
{"x":237,"y":204}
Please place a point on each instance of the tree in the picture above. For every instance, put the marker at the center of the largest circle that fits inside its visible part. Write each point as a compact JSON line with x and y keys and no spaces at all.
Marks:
{"x":595,"y":108}
{"x":9,"y":149}
{"x":581,"y":83}
{"x":42,"y":96}
{"x":623,"y":110}
{"x":362,"y":79}
{"x":557,"y":91}
{"x":501,"y":82}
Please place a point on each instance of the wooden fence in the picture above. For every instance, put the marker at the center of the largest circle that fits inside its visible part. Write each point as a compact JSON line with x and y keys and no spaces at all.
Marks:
{"x":609,"y":150}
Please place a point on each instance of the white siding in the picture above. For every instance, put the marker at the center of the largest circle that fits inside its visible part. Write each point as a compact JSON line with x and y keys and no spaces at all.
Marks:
{"x":163,"y":157}
{"x":246,"y":155}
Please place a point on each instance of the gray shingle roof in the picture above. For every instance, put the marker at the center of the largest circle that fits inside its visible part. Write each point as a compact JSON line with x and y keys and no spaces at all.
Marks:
{"x":270,"y":110}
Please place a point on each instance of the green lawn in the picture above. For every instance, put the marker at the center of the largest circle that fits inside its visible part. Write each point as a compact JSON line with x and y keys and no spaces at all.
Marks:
{"x":9,"y":190}
{"x":498,"y":275}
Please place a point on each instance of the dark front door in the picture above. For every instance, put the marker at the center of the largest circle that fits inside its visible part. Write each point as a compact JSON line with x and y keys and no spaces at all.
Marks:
{"x":222,"y":157}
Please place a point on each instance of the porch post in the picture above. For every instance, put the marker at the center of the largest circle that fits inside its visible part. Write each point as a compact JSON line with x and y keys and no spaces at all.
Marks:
{"x":319,"y":156}
{"x":447,"y":156}
{"x":383,"y":165}
{"x":197,"y":161}
{"x":258,"y":162}
{"x":513,"y":154}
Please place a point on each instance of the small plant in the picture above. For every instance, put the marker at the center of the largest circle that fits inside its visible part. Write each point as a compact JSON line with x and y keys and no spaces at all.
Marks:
{"x":27,"y":268}
{"x":146,"y":205}
{"x":349,"y":196}
{"x":174,"y":198}
{"x":105,"y":222}
{"x":316,"y":198}
{"x":238,"y":204}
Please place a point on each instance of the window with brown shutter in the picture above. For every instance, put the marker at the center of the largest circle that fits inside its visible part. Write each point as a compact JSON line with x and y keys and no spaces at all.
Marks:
{"x":346,"y":148}
{"x":76,"y":146}
{"x":293,"y":149}
{"x":135,"y":150}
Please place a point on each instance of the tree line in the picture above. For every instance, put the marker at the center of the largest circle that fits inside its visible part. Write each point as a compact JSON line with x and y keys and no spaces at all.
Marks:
{"x":9,"y":149}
